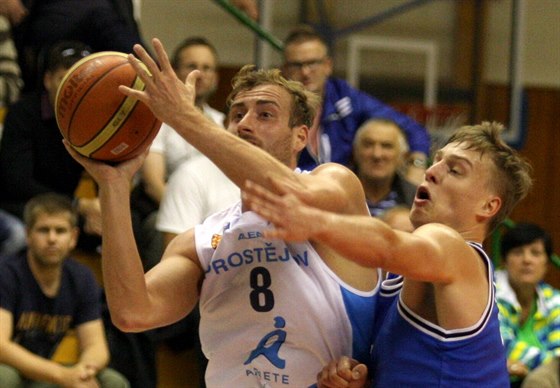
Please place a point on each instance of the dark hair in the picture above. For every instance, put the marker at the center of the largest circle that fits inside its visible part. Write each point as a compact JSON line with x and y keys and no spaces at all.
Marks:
{"x":523,"y":234}
{"x":192,"y":41}
{"x":48,"y":203}
{"x":64,"y":54}
{"x":304,"y":33}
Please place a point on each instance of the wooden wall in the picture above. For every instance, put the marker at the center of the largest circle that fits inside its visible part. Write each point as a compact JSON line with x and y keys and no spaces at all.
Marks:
{"x":542,"y":149}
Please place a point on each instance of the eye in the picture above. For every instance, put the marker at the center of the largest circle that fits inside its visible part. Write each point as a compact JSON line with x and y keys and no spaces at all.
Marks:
{"x":236,"y":116}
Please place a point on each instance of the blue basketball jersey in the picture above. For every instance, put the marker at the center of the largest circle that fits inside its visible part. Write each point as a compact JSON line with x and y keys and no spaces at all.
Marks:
{"x":411,"y":352}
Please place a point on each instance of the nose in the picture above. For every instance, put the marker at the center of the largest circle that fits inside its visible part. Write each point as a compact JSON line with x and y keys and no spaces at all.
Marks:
{"x":245,"y":124}
{"x":433,"y":173}
{"x":305,"y":69}
{"x":377,"y":151}
{"x":52,"y":235}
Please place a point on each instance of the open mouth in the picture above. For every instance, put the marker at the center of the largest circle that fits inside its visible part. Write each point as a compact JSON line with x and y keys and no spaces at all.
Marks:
{"x":422,"y":193}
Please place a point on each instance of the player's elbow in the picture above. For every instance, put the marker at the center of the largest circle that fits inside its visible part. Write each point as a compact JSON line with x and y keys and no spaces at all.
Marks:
{"x":128,"y":322}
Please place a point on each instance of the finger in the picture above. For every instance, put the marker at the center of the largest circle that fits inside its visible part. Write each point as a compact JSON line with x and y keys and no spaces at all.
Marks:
{"x":192,"y":77}
{"x":142,"y":70}
{"x":323,"y":379}
{"x":340,"y":372}
{"x":359,"y":372}
{"x":77,"y":156}
{"x":163,"y":58}
{"x":283,"y":185}
{"x":143,"y":59}
{"x":261,"y":194}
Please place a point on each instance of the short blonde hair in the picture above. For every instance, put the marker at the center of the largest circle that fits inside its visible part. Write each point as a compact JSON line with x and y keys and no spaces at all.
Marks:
{"x":304,"y":103}
{"x":512,"y":174}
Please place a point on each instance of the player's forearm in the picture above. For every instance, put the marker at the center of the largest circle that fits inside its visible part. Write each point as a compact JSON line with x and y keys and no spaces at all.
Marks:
{"x":123,"y":273}
{"x":363,"y":239}
{"x":238,"y":159}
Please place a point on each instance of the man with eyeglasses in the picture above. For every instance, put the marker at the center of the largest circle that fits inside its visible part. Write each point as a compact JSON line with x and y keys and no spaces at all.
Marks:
{"x":344,"y":108}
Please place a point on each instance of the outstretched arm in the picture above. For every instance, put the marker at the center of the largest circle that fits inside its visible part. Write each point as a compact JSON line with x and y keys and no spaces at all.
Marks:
{"x":172,"y":101}
{"x":366,"y":240}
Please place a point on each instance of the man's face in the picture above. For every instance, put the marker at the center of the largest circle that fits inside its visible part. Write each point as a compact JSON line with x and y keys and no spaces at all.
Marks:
{"x":51,"y":239}
{"x":261,"y":116}
{"x":456,"y":190}
{"x":527,"y":264}
{"x":378,"y":152}
{"x":202,"y":58}
{"x":308,"y":63}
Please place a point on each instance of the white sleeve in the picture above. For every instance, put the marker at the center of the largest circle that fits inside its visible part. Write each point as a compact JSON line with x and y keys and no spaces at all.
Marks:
{"x":183,"y":205}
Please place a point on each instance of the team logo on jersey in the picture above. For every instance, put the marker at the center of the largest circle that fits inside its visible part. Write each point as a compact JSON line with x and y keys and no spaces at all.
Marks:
{"x":270,"y":344}
{"x":216,"y":238}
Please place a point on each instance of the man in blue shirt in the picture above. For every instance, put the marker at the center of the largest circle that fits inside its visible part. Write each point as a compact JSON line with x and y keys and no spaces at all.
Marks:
{"x":344,"y":108}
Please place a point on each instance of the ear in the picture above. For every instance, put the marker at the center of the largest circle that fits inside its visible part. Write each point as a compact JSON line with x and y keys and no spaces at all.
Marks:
{"x":329,"y":66}
{"x":301,"y":134}
{"x":75,"y":235}
{"x":490,"y":207}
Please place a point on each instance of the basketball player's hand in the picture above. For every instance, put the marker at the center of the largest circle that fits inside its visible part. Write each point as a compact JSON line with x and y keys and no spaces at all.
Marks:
{"x":293,"y":220}
{"x":103,"y":172}
{"x":344,"y":372}
{"x":171,"y":100}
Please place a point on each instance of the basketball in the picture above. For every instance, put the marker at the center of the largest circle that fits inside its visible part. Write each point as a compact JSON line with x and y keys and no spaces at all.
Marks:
{"x":95,"y":117}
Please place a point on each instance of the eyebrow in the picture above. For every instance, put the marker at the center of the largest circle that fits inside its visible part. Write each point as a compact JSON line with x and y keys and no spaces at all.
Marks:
{"x":455,"y":158}
{"x":259,"y":102}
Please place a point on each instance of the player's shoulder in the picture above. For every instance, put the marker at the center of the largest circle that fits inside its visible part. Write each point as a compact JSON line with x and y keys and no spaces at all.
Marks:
{"x":332,"y":169}
{"x":445,"y":238}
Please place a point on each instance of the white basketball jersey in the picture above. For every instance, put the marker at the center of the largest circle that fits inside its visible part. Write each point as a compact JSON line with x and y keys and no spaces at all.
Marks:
{"x":273,"y":314}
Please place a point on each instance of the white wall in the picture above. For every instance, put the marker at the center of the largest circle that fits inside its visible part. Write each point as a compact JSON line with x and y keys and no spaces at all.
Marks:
{"x":540,"y":44}
{"x":173,"y":20}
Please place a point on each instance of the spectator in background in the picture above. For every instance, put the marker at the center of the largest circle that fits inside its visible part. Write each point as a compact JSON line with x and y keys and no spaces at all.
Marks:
{"x":195,"y":190}
{"x":169,"y":149}
{"x":101,"y":24}
{"x":344,"y":109}
{"x":32,"y":157}
{"x":45,"y":294}
{"x":379,"y":151}
{"x":529,"y":307}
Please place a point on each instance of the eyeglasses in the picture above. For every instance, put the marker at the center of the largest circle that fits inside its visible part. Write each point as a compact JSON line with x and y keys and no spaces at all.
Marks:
{"x":71,"y":52}
{"x":311,"y":65}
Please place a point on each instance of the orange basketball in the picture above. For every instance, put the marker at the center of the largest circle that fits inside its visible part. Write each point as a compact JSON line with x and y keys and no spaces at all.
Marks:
{"x":95,"y":117}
